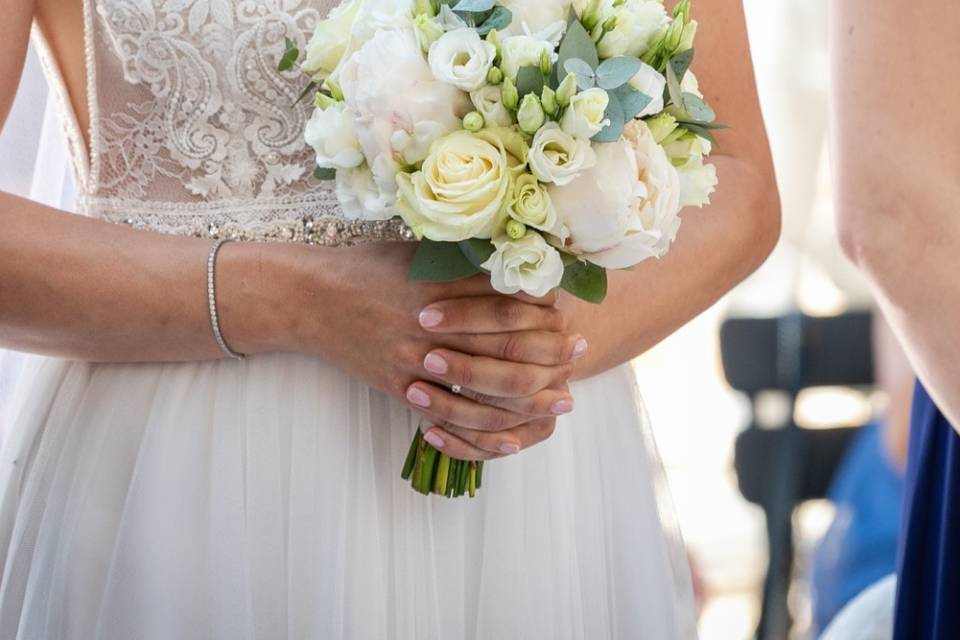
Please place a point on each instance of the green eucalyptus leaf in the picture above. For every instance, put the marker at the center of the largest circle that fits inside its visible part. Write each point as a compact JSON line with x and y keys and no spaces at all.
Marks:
{"x":474,"y":6}
{"x":577,"y":43}
{"x":698,"y":108}
{"x":477,"y":251}
{"x":674,"y":92}
{"x":701,"y":131}
{"x":614,"y":113}
{"x":615,"y":72}
{"x":631,"y":101}
{"x":440,"y":262}
{"x":529,"y":80}
{"x":289,"y":57}
{"x":586,"y":281}
{"x":499,"y":19}
{"x":323,"y":173}
{"x":680,"y":63}
{"x":584,"y":73}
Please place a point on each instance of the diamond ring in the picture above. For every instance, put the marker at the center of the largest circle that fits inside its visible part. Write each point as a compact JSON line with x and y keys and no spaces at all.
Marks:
{"x":456,"y":389}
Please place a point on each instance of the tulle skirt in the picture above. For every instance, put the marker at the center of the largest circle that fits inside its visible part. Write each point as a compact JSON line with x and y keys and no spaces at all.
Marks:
{"x":262,"y":500}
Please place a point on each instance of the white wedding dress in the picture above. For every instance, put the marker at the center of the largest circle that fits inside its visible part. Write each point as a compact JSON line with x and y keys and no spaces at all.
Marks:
{"x":261,"y":499}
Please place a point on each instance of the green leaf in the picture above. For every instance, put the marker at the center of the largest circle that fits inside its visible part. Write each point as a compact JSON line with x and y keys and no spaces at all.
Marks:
{"x":529,"y":80}
{"x":701,"y":131}
{"x":289,"y":57}
{"x":614,"y":113}
{"x":306,"y":91}
{"x":440,"y":262}
{"x":615,"y":72}
{"x":323,"y":173}
{"x":586,"y":281}
{"x":674,"y":92}
{"x":680,"y":63}
{"x":499,"y":19}
{"x":583,"y":72}
{"x":631,"y":101}
{"x":474,"y":6}
{"x":698,"y":108}
{"x":477,"y":251}
{"x":576,"y":43}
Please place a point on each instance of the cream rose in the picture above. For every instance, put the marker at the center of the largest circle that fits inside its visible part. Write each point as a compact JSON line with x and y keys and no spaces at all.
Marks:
{"x":625,"y":209}
{"x":462,"y":59}
{"x":583,"y":118}
{"x":523,"y":51}
{"x":527,"y":264}
{"x":330,"y":41}
{"x":462,"y":188}
{"x":652,"y":83}
{"x":332,"y":135}
{"x":489,"y":104}
{"x":557,"y":157}
{"x":531,"y":204}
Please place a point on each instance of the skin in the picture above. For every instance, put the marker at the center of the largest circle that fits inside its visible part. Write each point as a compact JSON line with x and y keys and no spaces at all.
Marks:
{"x":898,"y":173}
{"x":85,"y":289}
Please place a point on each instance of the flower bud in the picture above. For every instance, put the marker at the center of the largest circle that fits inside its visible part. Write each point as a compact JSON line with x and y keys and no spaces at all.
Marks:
{"x":686,"y":40}
{"x":609,"y":24}
{"x":428,"y":31}
{"x":335,"y":91}
{"x":591,"y":15}
{"x":682,"y":11}
{"x":566,"y":90}
{"x":322,"y":101}
{"x":662,"y":126}
{"x":494,"y":38}
{"x":516,"y":229}
{"x":495,"y":76}
{"x":548,"y":99}
{"x":473,"y":121}
{"x":530,"y":116}
{"x":508,"y":94}
{"x":673,"y":36}
{"x":546,"y":65}
{"x":424,"y":7}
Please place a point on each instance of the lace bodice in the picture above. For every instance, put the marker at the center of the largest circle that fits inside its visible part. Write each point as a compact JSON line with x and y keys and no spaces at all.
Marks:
{"x":192,"y":128}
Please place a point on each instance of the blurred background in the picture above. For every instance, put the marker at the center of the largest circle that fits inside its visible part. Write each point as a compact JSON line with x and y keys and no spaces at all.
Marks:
{"x":787,"y":391}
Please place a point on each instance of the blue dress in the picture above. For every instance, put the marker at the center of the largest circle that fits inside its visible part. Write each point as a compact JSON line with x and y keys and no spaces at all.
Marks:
{"x":928,"y":597}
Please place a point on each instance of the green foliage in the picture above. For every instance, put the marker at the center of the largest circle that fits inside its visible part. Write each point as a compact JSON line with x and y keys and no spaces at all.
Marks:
{"x":586,"y":281}
{"x":631,"y":101}
{"x":477,"y":251}
{"x":499,"y":19}
{"x":576,"y":43}
{"x":582,"y":71}
{"x":474,"y":6}
{"x":529,"y":80}
{"x":615,"y":72}
{"x":322,"y":173}
{"x":289,"y":57}
{"x":440,"y":262}
{"x":306,"y":91}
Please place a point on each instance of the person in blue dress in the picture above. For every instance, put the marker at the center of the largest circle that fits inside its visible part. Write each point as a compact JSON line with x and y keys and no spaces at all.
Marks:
{"x":896,"y":107}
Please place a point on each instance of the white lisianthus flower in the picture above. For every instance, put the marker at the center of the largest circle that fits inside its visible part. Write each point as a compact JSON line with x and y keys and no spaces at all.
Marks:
{"x":557,"y":157}
{"x":399,"y":108}
{"x":330,"y":40}
{"x":697,"y":182}
{"x":583,"y":118}
{"x":527,"y":264}
{"x":638,"y":23}
{"x":651,"y":82}
{"x":523,"y":51}
{"x":538,"y":16}
{"x":530,"y":204}
{"x":488,"y":103}
{"x":332,"y":135}
{"x":462,"y":188}
{"x":462,"y":59}
{"x":625,"y":209}
{"x":360,"y":197}
{"x":690,"y":84}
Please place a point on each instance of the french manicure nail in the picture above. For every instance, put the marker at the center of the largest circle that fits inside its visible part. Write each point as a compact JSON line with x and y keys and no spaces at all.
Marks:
{"x":435,"y":364}
{"x":418,"y":397}
{"x":580,"y":348}
{"x":435,"y":441}
{"x":561,"y":407}
{"x":509,"y":448}
{"x":430,"y":318}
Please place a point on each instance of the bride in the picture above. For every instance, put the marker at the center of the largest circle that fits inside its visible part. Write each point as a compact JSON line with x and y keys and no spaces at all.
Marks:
{"x":153,"y":488}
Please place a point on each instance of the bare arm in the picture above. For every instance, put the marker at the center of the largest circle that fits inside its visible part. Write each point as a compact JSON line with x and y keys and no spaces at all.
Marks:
{"x":897,"y":156}
{"x":717,"y":246}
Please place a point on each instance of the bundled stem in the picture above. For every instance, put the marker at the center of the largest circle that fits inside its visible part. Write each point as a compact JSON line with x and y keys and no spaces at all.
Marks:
{"x":430,"y":471}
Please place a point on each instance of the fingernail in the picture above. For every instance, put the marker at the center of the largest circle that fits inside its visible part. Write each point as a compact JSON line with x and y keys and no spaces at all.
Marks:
{"x":418,"y":397}
{"x":435,"y":441}
{"x":430,"y":318}
{"x":580,"y":348}
{"x":561,"y":407}
{"x":435,"y":364}
{"x":509,"y":448}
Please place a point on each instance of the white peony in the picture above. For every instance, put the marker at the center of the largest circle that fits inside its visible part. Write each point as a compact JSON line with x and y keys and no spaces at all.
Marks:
{"x":651,"y":82}
{"x":523,"y":51}
{"x":527,"y":264}
{"x":375,"y":16}
{"x":557,"y":157}
{"x":583,"y":118}
{"x":488,"y":102}
{"x":462,"y":59}
{"x":361,"y":197}
{"x":330,"y":41}
{"x":697,"y":182}
{"x":638,"y":23}
{"x":332,"y":135}
{"x":400,"y":109}
{"x":626,"y":209}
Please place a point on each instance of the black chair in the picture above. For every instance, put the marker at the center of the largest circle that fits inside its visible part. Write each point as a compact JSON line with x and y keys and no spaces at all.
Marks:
{"x":780,"y":466}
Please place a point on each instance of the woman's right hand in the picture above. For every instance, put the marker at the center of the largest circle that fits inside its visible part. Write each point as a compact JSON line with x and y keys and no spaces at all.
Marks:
{"x":357,"y":309}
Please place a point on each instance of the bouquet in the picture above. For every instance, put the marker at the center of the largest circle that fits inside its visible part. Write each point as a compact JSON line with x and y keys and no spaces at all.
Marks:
{"x":541,"y":142}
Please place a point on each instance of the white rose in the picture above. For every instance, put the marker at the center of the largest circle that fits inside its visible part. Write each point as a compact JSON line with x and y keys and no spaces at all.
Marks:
{"x":462,"y":188}
{"x":361,"y":197}
{"x":462,"y":59}
{"x":523,"y":51}
{"x":530,"y":204}
{"x":625,"y":209}
{"x":538,"y":16}
{"x":638,"y":22}
{"x":528,"y":264}
{"x":330,"y":41}
{"x":583,"y":118}
{"x":488,"y":102}
{"x":651,"y":82}
{"x":331,"y":133}
{"x":399,"y":108}
{"x":557,"y":157}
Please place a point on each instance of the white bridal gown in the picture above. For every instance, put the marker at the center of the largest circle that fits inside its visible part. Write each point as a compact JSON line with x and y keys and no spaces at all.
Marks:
{"x":262,"y":499}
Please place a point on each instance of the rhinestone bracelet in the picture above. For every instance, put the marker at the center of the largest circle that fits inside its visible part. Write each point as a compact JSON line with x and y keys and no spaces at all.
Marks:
{"x":212,"y":300}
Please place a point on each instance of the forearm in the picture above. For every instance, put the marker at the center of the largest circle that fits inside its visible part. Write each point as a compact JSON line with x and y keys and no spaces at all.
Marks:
{"x":86,"y":289}
{"x":716,"y":248}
